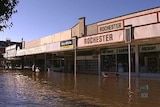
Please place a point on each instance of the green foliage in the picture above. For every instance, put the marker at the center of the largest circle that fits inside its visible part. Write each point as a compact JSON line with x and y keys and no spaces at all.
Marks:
{"x":7,"y":9}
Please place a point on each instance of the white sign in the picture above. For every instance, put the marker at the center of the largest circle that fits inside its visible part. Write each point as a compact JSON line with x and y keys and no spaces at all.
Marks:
{"x":21,"y":52}
{"x":104,"y":38}
{"x":53,"y":47}
{"x":36,"y":50}
{"x":11,"y":47}
{"x":11,"y":53}
{"x":148,"y":31}
{"x":110,"y":27}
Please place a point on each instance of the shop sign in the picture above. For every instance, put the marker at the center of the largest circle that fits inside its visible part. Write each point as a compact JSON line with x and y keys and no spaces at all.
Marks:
{"x":125,"y":50}
{"x":53,"y":47}
{"x":11,"y":53}
{"x":149,"y":48}
{"x":36,"y":50}
{"x":110,"y":27}
{"x":11,"y":47}
{"x":111,"y":37}
{"x":108,"y":51}
{"x":66,"y":44}
{"x":20,"y":52}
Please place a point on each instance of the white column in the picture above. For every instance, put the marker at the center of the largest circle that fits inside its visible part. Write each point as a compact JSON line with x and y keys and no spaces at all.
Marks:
{"x":45,"y":62}
{"x":136,"y":60}
{"x":129,"y":65}
{"x":99,"y":63}
{"x":75,"y":61}
{"x":74,"y":39}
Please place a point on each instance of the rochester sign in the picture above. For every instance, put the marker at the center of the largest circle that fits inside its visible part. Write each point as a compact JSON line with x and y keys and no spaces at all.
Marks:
{"x":110,"y":27}
{"x":104,"y":38}
{"x":100,"y":38}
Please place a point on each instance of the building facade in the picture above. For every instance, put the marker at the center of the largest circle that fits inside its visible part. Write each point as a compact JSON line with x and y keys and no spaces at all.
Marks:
{"x":101,"y":46}
{"x":108,"y":52}
{"x":6,"y":51}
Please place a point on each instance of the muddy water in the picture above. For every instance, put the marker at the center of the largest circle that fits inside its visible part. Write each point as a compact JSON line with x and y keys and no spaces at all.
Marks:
{"x":54,"y":89}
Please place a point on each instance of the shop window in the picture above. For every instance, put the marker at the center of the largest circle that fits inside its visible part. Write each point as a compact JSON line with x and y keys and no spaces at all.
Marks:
{"x":123,"y":62}
{"x":87,"y":65}
{"x":149,"y":62}
{"x":108,"y":63}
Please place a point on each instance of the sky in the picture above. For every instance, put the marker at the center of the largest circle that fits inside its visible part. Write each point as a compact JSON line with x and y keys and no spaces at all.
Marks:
{"x":39,"y":18}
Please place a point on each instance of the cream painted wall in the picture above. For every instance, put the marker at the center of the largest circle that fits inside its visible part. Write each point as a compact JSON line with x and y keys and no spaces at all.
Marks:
{"x":130,"y":16}
{"x":147,"y":31}
{"x":46,"y":40}
{"x":33,"y":43}
{"x":75,"y":30}
{"x":136,"y":19}
{"x":142,"y":20}
{"x":79,"y":29}
{"x":65,"y":35}
{"x":159,"y":16}
{"x":92,"y":29}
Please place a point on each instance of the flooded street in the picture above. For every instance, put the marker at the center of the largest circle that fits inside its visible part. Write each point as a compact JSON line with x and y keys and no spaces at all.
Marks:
{"x":54,"y":89}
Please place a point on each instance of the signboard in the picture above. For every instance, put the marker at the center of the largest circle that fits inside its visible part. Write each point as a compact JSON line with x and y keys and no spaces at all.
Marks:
{"x":104,"y":38}
{"x":66,"y":44}
{"x":148,"y":31}
{"x":20,"y":52}
{"x":149,"y":48}
{"x":110,"y":27}
{"x":128,"y":34}
{"x":124,"y":50}
{"x":36,"y":50}
{"x":108,"y":52}
{"x":53,"y":47}
{"x":11,"y":53}
{"x":11,"y":47}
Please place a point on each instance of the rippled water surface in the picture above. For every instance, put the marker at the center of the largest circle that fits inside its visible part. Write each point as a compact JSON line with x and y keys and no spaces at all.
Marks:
{"x":55,"y":89}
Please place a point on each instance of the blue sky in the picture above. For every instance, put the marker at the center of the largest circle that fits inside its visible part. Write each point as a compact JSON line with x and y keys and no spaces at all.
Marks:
{"x":40,"y":18}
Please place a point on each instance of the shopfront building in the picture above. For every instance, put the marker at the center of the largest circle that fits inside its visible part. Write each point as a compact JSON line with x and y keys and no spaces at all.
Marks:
{"x":116,"y":59}
{"x":97,"y":55}
{"x":111,"y":50}
{"x":149,"y":57}
{"x":101,"y":46}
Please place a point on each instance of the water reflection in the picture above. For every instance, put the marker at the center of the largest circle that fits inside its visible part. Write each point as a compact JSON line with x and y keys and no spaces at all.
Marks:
{"x":66,"y":90}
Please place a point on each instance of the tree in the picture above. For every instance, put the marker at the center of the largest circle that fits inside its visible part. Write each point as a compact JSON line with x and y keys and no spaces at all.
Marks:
{"x":7,"y":9}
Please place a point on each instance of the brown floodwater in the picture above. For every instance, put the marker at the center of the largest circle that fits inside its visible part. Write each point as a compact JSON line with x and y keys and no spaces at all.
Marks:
{"x":55,"y":89}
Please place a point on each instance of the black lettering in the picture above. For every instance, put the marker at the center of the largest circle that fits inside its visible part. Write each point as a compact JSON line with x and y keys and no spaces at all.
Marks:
{"x":106,"y":37}
{"x":85,"y":41}
{"x":100,"y":38}
{"x":90,"y":40}
{"x":149,"y":48}
{"x":103,"y":38}
{"x":110,"y":27}
{"x":110,"y":37}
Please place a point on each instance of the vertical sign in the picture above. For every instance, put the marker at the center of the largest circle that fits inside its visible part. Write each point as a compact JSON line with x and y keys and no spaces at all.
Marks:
{"x":128,"y":34}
